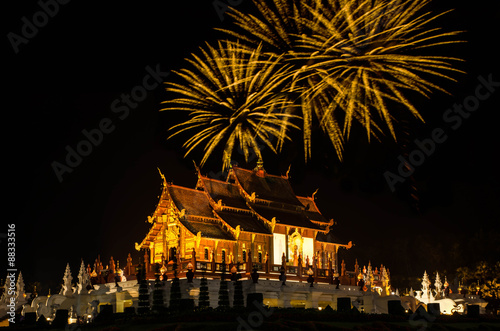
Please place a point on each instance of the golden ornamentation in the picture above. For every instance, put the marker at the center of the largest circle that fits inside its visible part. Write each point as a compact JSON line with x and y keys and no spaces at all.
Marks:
{"x":198,"y":240}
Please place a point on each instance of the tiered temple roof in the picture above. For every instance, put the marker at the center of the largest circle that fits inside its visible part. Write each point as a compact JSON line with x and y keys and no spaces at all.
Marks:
{"x":247,"y":201}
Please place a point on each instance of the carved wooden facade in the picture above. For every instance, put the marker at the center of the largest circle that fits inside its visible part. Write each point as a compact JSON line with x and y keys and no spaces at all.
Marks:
{"x":250,"y":217}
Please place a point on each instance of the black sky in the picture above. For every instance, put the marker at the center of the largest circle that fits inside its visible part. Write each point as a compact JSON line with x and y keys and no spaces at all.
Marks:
{"x":65,"y":79}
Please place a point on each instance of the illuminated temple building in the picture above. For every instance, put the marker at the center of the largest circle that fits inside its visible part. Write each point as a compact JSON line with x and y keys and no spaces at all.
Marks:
{"x":250,"y":228}
{"x":251,"y":219}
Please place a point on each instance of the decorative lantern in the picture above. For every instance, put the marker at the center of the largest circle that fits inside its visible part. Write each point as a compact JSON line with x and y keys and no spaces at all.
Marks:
{"x":310,"y":279}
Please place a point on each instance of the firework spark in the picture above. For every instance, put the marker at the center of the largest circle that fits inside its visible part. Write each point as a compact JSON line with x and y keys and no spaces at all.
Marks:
{"x":353,"y":60}
{"x":234,"y":98}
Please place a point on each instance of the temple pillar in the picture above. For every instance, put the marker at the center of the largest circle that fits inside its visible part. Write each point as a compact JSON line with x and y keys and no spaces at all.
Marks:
{"x":252,"y":247}
{"x":151,"y":253}
{"x":330,"y":268}
{"x":182,"y":243}
{"x":249,"y":262}
{"x":129,"y":265}
{"x":323,"y":258}
{"x":167,"y":254}
{"x":299,"y":270}
{"x":164,"y":238}
{"x":315,"y":267}
{"x":236,"y":251}
{"x":193,"y":259}
{"x":271,"y":250}
{"x":286,"y":245}
{"x":146,"y":260}
{"x":268,"y":263}
{"x":335,"y":257}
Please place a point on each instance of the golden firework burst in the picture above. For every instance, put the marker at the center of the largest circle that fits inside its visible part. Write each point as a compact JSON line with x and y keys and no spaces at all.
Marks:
{"x":234,"y":98}
{"x":353,"y":60}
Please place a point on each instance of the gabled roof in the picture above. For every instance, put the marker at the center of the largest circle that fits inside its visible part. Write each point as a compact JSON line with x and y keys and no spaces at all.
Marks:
{"x":154,"y":231}
{"x":227,"y":192}
{"x":196,"y":208}
{"x":208,"y":230}
{"x":311,"y":210}
{"x":247,"y":222}
{"x":268,"y":187}
{"x":194,"y":202}
{"x":284,"y":216}
{"x":329,"y":238}
{"x":215,"y":209}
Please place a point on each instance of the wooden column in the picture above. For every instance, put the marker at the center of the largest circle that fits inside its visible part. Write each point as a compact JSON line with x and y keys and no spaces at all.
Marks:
{"x":193,"y":259}
{"x":146,"y":260}
{"x":129,"y":265}
{"x":336,"y":257}
{"x":252,"y":246}
{"x":182,"y":243}
{"x":271,"y":250}
{"x":164,"y":229}
{"x":286,"y":245}
{"x":249,"y":261}
{"x":330,"y":268}
{"x":268,"y":263}
{"x":236,"y":251}
{"x":315,"y":267}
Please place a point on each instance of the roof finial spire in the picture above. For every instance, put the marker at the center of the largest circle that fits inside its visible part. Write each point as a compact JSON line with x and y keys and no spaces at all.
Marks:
{"x":197,"y":169}
{"x":260,"y":163}
{"x":259,"y":169}
{"x":161,"y":175}
{"x":314,"y":193}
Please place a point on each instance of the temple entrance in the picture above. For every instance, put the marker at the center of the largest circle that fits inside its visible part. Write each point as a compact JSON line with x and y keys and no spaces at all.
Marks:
{"x":295,"y":243}
{"x":172,"y":253}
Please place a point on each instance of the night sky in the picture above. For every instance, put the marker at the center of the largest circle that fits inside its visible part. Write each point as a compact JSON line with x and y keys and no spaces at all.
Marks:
{"x":66,"y":78}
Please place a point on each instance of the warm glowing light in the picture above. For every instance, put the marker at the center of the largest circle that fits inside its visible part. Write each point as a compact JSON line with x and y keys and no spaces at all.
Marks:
{"x":234,"y":97}
{"x":334,"y":63}
{"x":353,"y":60}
